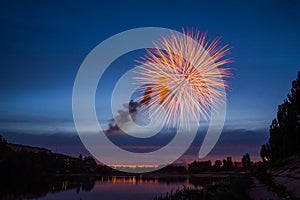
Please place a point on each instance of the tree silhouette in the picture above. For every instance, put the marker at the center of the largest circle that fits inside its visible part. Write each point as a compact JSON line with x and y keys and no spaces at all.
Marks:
{"x":227,"y":163}
{"x":285,"y":128}
{"x":265,"y":152}
{"x":246,"y":161}
{"x":218,"y":163}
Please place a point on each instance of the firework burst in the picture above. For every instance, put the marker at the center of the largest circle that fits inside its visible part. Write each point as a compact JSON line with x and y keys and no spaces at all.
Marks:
{"x":183,"y":81}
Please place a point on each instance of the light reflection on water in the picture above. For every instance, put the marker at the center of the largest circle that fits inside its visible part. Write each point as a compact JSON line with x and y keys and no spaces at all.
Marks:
{"x":121,"y":187}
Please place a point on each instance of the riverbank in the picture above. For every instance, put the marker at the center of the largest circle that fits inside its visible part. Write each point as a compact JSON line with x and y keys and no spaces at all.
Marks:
{"x":288,"y":175}
{"x":260,"y":191}
{"x":282,"y":177}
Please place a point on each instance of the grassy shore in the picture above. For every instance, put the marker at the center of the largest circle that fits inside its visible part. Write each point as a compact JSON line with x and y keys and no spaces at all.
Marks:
{"x":235,"y":187}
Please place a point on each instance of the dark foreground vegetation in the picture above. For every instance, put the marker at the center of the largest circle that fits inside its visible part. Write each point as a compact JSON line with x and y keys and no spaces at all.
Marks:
{"x":234,"y":188}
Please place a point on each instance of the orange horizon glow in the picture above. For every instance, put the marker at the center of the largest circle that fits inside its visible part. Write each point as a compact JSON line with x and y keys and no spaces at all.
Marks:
{"x":132,"y":166}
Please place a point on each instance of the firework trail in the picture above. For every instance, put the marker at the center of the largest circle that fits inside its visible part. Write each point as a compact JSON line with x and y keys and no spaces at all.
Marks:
{"x":183,"y":81}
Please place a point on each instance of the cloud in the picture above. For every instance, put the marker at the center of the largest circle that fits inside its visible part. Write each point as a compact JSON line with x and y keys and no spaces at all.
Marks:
{"x":124,"y":115}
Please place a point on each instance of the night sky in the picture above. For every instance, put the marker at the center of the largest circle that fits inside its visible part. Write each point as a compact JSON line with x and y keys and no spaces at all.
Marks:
{"x":43,"y":44}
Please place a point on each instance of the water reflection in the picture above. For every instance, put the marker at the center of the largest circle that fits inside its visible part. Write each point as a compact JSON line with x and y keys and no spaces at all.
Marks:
{"x":129,"y":180}
{"x":36,"y":187}
{"x":89,"y":187}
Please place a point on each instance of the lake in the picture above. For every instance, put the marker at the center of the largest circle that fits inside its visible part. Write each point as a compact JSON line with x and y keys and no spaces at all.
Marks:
{"x":101,"y":187}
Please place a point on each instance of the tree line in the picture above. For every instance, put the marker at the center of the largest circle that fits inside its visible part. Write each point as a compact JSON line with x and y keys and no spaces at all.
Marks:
{"x":284,"y":130}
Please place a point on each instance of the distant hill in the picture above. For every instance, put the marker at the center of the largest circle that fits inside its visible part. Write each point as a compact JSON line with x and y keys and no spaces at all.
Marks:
{"x":22,"y":160}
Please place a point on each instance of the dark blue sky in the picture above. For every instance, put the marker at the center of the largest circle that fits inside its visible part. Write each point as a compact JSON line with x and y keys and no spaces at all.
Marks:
{"x":44,"y":42}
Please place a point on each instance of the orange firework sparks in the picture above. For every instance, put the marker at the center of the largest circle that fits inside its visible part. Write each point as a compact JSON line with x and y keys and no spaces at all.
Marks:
{"x":181,"y":77}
